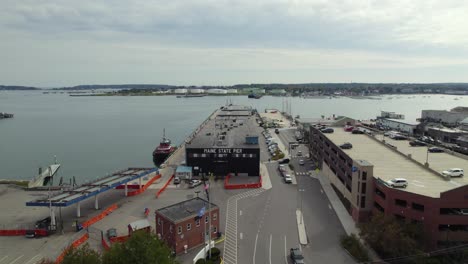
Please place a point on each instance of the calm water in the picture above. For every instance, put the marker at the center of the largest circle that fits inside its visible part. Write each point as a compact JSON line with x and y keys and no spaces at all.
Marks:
{"x":93,"y":136}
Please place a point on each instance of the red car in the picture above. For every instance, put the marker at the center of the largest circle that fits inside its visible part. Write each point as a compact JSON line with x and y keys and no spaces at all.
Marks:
{"x":348,"y":128}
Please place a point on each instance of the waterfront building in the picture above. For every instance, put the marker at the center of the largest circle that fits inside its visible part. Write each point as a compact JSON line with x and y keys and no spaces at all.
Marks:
{"x":227,"y":143}
{"x":361,"y":176}
{"x":180,"y":91}
{"x":186,"y":225}
{"x":450,"y":118}
{"x":406,"y":126}
{"x":196,"y":91}
{"x":231,"y":91}
{"x":216,"y":91}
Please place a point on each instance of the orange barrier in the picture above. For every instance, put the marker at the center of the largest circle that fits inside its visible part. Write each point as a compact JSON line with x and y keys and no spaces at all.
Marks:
{"x":133,"y":193}
{"x":165,"y":185}
{"x":22,"y":232}
{"x":75,"y":244}
{"x":229,"y":186}
{"x":100,"y":216}
{"x":104,"y":244}
{"x":119,"y":239}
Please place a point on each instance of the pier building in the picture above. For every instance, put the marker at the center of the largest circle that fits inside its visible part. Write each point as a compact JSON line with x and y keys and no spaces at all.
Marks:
{"x":226,"y":144}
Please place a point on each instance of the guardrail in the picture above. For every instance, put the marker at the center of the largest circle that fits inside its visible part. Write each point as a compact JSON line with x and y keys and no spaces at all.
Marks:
{"x":74,"y":244}
{"x":229,"y":186}
{"x":165,"y":186}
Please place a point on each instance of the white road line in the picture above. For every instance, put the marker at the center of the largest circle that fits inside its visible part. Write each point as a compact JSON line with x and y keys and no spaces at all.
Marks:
{"x":241,"y":236}
{"x":329,"y":206}
{"x":285,"y":252}
{"x":3,"y":258}
{"x":270,"y":248}
{"x":240,"y":212}
{"x":34,"y":259}
{"x":16,"y":259}
{"x":255,"y":248}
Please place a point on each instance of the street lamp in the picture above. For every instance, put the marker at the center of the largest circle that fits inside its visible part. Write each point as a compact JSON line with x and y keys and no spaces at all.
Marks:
{"x":301,"y":191}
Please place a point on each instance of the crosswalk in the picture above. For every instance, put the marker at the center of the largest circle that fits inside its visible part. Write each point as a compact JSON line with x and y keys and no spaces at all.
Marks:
{"x":305,"y":173}
{"x":230,"y":243}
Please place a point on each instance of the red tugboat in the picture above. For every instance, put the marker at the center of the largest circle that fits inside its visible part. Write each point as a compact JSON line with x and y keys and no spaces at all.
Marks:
{"x":163,"y":151}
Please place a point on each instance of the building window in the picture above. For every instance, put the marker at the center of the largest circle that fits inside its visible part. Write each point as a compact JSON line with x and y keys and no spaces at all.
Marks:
{"x":364,"y":175}
{"x":179,"y":230}
{"x":363,"y":201}
{"x":189,"y":226}
{"x":195,"y":155}
{"x":215,"y":230}
{"x":380,"y":193}
{"x":215,"y":216}
{"x":203,"y":155}
{"x":206,"y":219}
{"x":363,"y":188}
{"x":379,"y":207}
{"x":401,"y":203}
{"x":417,"y":207}
{"x":197,"y":222}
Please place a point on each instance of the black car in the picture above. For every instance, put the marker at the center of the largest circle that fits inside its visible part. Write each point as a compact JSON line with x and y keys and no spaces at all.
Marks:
{"x":357,"y":131}
{"x":327,"y":130}
{"x":417,"y":143}
{"x":276,"y":131}
{"x":346,"y":145}
{"x":435,"y":150}
{"x":284,"y":161}
{"x":296,"y":256}
{"x":43,"y":223}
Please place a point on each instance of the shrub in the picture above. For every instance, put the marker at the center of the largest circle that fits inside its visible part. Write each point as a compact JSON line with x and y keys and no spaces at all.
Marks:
{"x":281,"y":155}
{"x":354,"y":247}
{"x":215,"y":252}
{"x":201,"y":261}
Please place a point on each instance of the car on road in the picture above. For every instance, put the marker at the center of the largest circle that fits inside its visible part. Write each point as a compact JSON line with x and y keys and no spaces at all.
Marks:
{"x":301,"y":162}
{"x":327,"y":130}
{"x":282,"y":168}
{"x":195,"y":183}
{"x":346,"y":145}
{"x":454,"y":172}
{"x":299,"y":153}
{"x":287,"y":178}
{"x":398,"y":182}
{"x":276,"y":131}
{"x":111,"y":232}
{"x":357,"y":131}
{"x":296,"y":256}
{"x":435,"y":150}
{"x":176,"y":180}
{"x":284,"y":161}
{"x":417,"y":143}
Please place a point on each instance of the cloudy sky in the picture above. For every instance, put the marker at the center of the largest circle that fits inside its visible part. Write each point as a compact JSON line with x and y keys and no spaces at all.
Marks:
{"x":53,"y":43}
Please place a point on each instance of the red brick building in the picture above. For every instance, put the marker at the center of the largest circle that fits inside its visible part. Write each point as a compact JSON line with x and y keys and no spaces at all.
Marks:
{"x":361,"y":176}
{"x":183,"y":225}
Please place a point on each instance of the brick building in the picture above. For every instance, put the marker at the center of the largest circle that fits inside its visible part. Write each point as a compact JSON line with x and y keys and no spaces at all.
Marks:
{"x":183,"y":224}
{"x":360,"y":175}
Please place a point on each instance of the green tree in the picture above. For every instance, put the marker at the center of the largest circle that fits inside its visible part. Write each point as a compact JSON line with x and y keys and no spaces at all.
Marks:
{"x":82,"y":255}
{"x":141,"y":247}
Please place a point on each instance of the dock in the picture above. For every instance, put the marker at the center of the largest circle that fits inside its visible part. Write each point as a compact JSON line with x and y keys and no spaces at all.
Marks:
{"x":5,"y":115}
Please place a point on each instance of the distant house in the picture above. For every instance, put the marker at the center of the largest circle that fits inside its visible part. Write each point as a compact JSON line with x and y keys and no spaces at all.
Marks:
{"x":232,"y":91}
{"x":196,"y":91}
{"x":185,"y":225}
{"x":142,"y":224}
{"x":406,"y":126}
{"x":216,"y":91}
{"x":180,"y":91}
{"x":450,"y":118}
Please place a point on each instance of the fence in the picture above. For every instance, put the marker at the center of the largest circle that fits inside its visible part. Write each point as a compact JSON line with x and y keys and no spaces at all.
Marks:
{"x":229,"y":186}
{"x":79,"y":239}
{"x":165,"y":186}
{"x":100,"y":216}
{"x":142,"y":189}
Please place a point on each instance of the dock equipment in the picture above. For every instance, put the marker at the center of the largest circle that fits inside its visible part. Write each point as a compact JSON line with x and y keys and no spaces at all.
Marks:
{"x":87,"y":190}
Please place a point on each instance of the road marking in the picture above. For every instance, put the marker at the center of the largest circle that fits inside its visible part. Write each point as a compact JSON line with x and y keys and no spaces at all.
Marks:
{"x":3,"y":258}
{"x":240,"y":212}
{"x":329,"y":206}
{"x":21,"y":257}
{"x":255,"y":248}
{"x":34,"y":259}
{"x":270,"y":248}
{"x":241,"y":236}
{"x":285,"y":252}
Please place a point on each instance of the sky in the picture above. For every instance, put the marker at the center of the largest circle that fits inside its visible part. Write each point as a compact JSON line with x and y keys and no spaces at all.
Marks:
{"x":54,"y":43}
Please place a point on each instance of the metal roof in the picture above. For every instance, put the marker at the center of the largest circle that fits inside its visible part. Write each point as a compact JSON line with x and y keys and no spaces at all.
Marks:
{"x":181,"y":169}
{"x":88,"y":190}
{"x":186,"y":209}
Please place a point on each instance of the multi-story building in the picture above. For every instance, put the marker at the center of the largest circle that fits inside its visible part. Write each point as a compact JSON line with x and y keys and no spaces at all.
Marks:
{"x":186,"y":225}
{"x":361,"y":176}
{"x":226,"y":144}
{"x":450,"y":118}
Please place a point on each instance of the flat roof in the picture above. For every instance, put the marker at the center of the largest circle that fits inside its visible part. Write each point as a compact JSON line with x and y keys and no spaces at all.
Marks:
{"x":228,"y":128}
{"x":186,"y":209}
{"x":88,"y":190}
{"x":403,"y":121}
{"x":183,"y":169}
{"x":389,"y":164}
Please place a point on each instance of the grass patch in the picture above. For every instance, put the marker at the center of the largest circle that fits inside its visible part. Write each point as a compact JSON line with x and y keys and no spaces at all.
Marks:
{"x":354,"y":247}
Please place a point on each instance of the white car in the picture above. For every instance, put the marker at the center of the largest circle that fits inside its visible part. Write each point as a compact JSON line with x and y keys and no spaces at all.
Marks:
{"x":455,"y":172}
{"x":398,"y":182}
{"x":287,"y":178}
{"x":301,"y":162}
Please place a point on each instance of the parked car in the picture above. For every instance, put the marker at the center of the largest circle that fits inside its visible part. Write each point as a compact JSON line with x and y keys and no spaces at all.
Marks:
{"x":111,"y":232}
{"x":194,"y":183}
{"x":327,"y":130}
{"x":282,"y":168}
{"x":346,"y":145}
{"x":399,"y":137}
{"x":299,"y":153}
{"x":435,"y":150}
{"x":357,"y":131}
{"x":176,"y":180}
{"x":417,"y":143}
{"x":30,"y":233}
{"x":348,"y":128}
{"x":398,"y":182}
{"x":287,"y":178}
{"x":454,"y":172}
{"x":296,"y":256}
{"x":301,"y":162}
{"x":284,"y":161}
{"x":276,"y":131}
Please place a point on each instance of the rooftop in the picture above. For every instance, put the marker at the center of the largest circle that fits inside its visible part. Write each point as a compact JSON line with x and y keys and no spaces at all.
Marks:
{"x":389,"y":164}
{"x":403,"y":121}
{"x":180,"y":211}
{"x":227,"y":129}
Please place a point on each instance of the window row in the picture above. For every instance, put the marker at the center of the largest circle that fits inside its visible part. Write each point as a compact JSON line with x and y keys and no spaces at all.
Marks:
{"x":222,"y":155}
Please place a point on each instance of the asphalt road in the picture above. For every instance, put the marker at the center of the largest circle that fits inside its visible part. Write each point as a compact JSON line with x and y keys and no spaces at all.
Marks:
{"x":267,"y":225}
